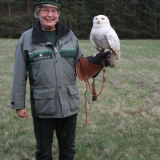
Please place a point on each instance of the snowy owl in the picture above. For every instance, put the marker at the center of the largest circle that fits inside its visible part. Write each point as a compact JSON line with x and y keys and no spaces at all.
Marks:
{"x":103,"y":36}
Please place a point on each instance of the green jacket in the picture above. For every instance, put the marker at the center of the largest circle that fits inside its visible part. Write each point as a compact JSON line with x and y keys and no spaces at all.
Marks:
{"x":51,"y":69}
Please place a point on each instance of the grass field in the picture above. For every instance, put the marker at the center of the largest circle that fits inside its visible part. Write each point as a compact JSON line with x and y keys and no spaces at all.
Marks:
{"x":123,"y":124}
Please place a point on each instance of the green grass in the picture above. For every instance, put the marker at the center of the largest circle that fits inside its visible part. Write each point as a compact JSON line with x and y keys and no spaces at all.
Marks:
{"x":123,"y":124}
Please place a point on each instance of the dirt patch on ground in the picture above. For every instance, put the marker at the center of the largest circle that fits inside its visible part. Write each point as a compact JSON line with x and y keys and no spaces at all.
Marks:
{"x":157,"y":82}
{"x":140,"y":110}
{"x":135,"y":111}
{"x":115,"y":81}
{"x":156,"y":90}
{"x":156,"y":110}
{"x":142,"y":85}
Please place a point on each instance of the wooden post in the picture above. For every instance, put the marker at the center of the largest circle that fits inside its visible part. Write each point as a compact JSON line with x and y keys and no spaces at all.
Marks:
{"x":9,"y":9}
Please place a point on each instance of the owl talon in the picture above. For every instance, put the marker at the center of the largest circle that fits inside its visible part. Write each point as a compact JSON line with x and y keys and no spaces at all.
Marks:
{"x":95,"y":54}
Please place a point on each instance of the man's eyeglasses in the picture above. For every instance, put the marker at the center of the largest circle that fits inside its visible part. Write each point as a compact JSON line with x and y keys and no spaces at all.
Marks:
{"x":46,"y":11}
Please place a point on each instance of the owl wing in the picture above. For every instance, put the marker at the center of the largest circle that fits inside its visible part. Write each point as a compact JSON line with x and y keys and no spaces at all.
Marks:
{"x":92,"y":39}
{"x":113,"y":41}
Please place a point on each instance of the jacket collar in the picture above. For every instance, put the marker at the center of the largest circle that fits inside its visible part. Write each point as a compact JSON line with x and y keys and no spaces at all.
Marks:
{"x":38,"y":36}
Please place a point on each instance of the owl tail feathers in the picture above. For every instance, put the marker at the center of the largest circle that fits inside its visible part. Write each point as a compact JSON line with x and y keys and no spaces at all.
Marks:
{"x":85,"y":69}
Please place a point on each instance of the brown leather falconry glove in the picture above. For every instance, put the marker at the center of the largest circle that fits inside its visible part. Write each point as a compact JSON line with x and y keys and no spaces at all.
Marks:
{"x":89,"y":67}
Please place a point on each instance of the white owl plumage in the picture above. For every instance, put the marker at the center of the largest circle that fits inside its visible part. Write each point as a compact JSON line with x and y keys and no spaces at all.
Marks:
{"x":103,"y":36}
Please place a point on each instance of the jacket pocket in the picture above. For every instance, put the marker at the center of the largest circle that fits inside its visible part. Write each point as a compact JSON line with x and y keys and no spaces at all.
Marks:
{"x":68,"y":56}
{"x":44,"y":100}
{"x":68,"y":53}
{"x":73,"y":96}
{"x":40,"y":55}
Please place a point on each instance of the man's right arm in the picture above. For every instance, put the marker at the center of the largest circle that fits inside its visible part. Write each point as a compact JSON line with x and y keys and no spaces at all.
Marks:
{"x":19,"y":77}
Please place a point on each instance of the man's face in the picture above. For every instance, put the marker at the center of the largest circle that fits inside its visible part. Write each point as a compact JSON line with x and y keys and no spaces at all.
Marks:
{"x":48,"y":17}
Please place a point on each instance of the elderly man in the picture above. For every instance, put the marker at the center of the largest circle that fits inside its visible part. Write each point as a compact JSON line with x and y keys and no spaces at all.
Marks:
{"x":51,"y":55}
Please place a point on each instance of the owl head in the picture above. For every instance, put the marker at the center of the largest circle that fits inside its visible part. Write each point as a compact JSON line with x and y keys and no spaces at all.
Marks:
{"x":100,"y":20}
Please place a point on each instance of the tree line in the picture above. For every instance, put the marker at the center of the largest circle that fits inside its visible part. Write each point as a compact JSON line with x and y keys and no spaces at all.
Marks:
{"x":133,"y":19}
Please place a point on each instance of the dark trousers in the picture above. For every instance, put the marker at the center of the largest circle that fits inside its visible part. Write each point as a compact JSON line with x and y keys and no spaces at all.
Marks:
{"x":65,"y":131}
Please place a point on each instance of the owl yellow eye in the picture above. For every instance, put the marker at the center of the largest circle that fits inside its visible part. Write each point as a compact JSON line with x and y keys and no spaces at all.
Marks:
{"x":102,"y":18}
